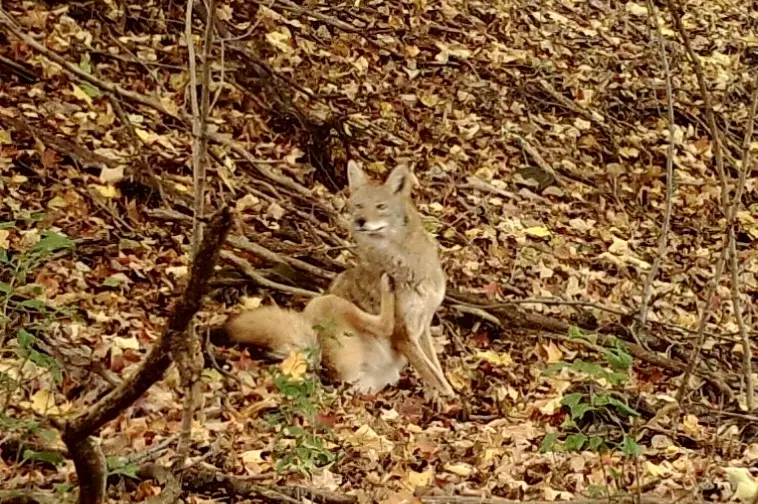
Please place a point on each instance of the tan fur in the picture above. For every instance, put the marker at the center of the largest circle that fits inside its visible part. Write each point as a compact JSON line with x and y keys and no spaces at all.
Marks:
{"x":355,"y":345}
{"x":391,"y":239}
{"x":369,"y":351}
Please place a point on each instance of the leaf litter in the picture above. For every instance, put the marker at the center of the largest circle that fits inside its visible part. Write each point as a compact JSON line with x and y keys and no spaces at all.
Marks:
{"x":451,"y":88}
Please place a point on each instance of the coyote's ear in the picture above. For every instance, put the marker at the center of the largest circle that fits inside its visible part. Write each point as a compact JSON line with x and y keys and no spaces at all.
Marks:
{"x":356,"y":177}
{"x":400,"y":180}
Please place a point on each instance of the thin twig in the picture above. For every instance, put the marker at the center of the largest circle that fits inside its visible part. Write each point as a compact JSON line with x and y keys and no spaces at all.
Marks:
{"x":729,"y":210}
{"x":250,"y":272}
{"x":663,"y":237}
{"x":188,"y":353}
{"x":747,"y":347}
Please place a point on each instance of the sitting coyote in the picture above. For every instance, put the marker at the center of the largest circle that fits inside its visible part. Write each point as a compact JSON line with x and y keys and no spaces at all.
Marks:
{"x":366,"y":330}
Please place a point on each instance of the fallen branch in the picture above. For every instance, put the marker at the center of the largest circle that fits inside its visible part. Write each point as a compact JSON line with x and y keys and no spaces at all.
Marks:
{"x":507,"y":317}
{"x":471,"y":499}
{"x":214,"y":482}
{"x":10,"y":26}
{"x":243,"y":243}
{"x":77,"y":432}
{"x":246,"y":268}
{"x":181,"y":118}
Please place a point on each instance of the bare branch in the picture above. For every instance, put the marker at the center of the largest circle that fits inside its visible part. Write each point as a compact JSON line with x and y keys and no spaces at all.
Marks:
{"x":730,"y":210}
{"x":747,"y":351}
{"x":157,"y":361}
{"x":662,"y":239}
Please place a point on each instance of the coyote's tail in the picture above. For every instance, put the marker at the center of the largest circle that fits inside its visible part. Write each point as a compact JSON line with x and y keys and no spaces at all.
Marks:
{"x":272,"y":329}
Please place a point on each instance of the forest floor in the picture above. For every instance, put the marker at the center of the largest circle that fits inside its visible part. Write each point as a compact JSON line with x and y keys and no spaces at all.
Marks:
{"x":538,"y":133}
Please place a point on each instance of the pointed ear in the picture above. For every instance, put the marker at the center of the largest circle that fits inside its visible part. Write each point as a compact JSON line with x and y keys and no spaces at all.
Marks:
{"x":356,"y":177}
{"x":400,"y":180}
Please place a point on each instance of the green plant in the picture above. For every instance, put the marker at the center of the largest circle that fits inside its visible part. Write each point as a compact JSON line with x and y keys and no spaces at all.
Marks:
{"x":302,"y":441}
{"x":27,"y":316}
{"x":599,"y":403}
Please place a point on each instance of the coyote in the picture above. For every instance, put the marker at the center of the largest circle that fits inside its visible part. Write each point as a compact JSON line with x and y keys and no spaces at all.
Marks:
{"x":392,"y":243}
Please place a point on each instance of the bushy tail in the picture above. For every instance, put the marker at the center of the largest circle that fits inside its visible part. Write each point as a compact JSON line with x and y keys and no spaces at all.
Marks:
{"x":275,"y":331}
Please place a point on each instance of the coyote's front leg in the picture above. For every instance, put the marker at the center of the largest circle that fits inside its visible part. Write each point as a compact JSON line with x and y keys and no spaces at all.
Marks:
{"x":408,"y":346}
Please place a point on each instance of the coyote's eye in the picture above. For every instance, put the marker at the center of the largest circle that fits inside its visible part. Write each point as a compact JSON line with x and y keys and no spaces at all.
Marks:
{"x":358,"y":206}
{"x":381,"y":206}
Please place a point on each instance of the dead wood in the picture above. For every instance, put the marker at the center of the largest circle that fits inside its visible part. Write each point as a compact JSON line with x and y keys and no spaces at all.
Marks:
{"x":215,"y":483}
{"x":77,"y":432}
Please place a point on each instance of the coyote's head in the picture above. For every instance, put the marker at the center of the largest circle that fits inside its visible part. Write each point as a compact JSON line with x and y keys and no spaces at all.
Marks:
{"x":381,"y":213}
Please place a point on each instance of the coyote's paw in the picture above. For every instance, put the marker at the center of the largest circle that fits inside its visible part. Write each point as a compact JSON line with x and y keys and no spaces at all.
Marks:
{"x":388,"y":284}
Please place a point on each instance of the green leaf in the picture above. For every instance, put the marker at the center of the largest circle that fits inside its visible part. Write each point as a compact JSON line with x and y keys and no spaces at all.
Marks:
{"x":554,"y":369}
{"x":25,"y":339}
{"x":8,"y":225}
{"x":574,"y":442}
{"x":596,"y":444}
{"x":618,"y":358}
{"x":548,"y":442}
{"x":33,"y":304}
{"x":574,"y":332}
{"x":629,"y":447}
{"x":112,"y":281}
{"x":52,"y":242}
{"x":623,"y":408}
{"x":90,"y":90}
{"x":63,"y":488}
{"x":118,"y":465}
{"x":597,"y":491}
{"x":5,"y":288}
{"x":576,"y":404}
{"x":44,"y":456}
{"x":85,"y":64}
{"x":589,"y":368}
{"x":127,"y":244}
{"x":47,"y":362}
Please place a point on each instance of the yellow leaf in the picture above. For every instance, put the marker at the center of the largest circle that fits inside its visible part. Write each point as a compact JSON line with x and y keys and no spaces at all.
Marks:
{"x":636,"y":9}
{"x":691,"y":425}
{"x":107,"y":191}
{"x":43,"y":403}
{"x":126,"y":343}
{"x":549,"y":406}
{"x":554,"y":353}
{"x":494,"y":358}
{"x":5,"y":137}
{"x":745,"y":485}
{"x":146,"y":136}
{"x":420,"y":479}
{"x":4,"y":243}
{"x":619,"y":247}
{"x":112,"y":175}
{"x":537,"y":231}
{"x":365,"y":438}
{"x":460,"y":468}
{"x":81,"y":95}
{"x":459,"y":379}
{"x":294,"y":365}
{"x":280,"y":40}
{"x":655,"y":469}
